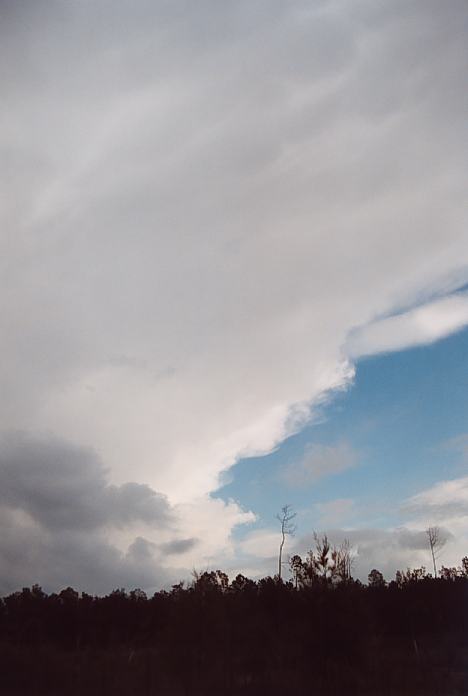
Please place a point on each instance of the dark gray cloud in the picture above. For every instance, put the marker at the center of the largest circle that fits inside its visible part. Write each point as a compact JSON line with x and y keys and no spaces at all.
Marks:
{"x":178,"y":546}
{"x":83,"y":560}
{"x":56,"y":510}
{"x":63,"y":486}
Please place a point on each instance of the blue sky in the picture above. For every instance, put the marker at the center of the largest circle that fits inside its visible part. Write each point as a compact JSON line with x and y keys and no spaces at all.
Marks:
{"x":404,"y":416}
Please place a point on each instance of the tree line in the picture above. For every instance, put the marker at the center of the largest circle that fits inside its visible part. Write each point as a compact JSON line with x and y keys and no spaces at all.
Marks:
{"x":322,"y":632}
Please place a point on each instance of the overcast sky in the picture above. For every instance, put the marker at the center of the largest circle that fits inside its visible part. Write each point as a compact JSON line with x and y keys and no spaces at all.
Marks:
{"x":211,"y":212}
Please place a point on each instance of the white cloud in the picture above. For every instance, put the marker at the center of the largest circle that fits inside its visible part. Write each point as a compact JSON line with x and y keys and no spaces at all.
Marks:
{"x":200,"y":205}
{"x":261,"y":544}
{"x":387,"y":550}
{"x":211,"y":521}
{"x":444,"y":500}
{"x":444,"y":504}
{"x":416,"y":327}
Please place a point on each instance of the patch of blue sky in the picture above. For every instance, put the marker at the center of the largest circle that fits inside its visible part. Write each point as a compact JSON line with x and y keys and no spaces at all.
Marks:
{"x":399,"y":417}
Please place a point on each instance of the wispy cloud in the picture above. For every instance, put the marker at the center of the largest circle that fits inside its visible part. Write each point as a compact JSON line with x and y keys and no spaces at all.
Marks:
{"x":318,"y":461}
{"x":459,"y":444}
{"x":442,"y":501}
{"x":335,"y":512}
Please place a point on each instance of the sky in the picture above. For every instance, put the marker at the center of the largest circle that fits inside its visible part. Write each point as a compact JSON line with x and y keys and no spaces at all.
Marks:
{"x":234,"y":272}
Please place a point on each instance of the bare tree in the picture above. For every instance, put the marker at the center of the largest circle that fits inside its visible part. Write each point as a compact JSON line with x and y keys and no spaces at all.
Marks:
{"x":288,"y":528}
{"x":343,"y":560}
{"x":436,"y":542}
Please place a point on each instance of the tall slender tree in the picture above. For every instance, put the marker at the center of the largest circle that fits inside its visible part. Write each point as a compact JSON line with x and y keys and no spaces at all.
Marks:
{"x":436,"y":542}
{"x":288,"y":528}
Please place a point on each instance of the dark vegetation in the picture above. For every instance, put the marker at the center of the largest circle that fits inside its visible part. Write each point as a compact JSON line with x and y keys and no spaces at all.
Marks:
{"x":320,"y":633}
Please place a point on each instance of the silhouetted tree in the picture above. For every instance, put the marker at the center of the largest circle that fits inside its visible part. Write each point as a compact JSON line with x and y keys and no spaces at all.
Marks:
{"x":326,"y":564}
{"x":342,"y":561}
{"x":209,"y":581}
{"x":242,"y":584}
{"x":449,"y":573}
{"x":296,"y":567}
{"x":248,"y":637}
{"x":410,"y":575}
{"x":376,"y":579}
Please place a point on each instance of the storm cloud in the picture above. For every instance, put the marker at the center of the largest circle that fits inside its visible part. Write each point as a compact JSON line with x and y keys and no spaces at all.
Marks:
{"x":202,"y":203}
{"x":57,"y":509}
{"x":62,"y":486}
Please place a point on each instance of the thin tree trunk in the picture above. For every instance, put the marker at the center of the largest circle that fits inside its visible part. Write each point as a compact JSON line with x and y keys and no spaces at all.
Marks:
{"x":280,"y":555}
{"x":433,"y":560}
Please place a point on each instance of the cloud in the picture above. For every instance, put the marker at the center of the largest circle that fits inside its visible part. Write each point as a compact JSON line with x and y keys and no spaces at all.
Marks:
{"x":442,"y":501}
{"x":59,"y":516}
{"x":416,"y":327}
{"x":459,"y":444}
{"x":318,"y":461}
{"x":201,"y":202}
{"x":60,"y":558}
{"x":261,"y":544}
{"x":64,"y":524}
{"x":388,"y":550}
{"x":178,"y":546}
{"x":233,"y":223}
{"x":444,"y":504}
{"x":335,"y":512}
{"x":64,"y":486}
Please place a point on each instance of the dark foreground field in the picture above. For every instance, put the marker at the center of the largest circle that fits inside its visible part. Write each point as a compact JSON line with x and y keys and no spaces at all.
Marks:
{"x":406,"y":638}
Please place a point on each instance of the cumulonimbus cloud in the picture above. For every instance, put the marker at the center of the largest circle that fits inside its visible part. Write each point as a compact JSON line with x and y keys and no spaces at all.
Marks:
{"x":202,"y":204}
